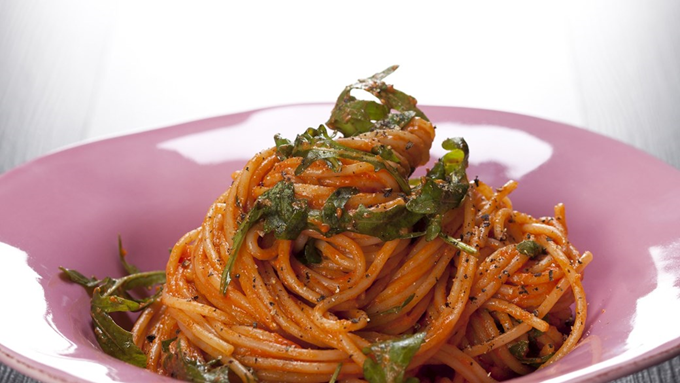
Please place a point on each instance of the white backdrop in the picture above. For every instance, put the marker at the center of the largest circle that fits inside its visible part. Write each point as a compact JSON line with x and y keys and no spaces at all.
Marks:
{"x":91,"y":69}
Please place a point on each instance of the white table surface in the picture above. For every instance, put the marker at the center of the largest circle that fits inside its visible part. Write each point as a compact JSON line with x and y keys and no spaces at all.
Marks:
{"x":76,"y":70}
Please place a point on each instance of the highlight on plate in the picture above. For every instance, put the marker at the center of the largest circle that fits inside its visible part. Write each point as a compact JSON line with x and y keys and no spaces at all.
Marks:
{"x":324,"y":261}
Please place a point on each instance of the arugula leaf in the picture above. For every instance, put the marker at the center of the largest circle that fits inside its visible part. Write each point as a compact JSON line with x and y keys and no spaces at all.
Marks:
{"x":355,"y":116}
{"x":114,"y":340}
{"x":392,"y":358}
{"x":313,"y":145}
{"x":387,"y":224}
{"x":317,"y":145}
{"x":352,"y":116}
{"x":397,"y":309}
{"x":165,"y":344}
{"x":444,"y":186}
{"x":530,"y":248}
{"x":310,"y":255}
{"x":336,"y":202}
{"x":459,"y":244}
{"x":187,"y":369}
{"x":396,"y":121}
{"x":520,"y":350}
{"x":284,"y":148}
{"x":130,"y":269}
{"x":113,"y":295}
{"x":385,"y":152}
{"x":283,"y":214}
{"x":336,"y":373}
{"x":77,"y":277}
{"x":456,"y":160}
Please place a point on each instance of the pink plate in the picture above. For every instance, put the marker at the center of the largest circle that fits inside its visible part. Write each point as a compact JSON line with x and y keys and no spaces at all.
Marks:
{"x":67,"y":209}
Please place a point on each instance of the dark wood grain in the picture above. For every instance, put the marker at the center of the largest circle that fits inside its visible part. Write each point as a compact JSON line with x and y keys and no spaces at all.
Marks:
{"x":50,"y":62}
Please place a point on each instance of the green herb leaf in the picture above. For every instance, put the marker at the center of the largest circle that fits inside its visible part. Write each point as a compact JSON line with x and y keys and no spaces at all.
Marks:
{"x":387,"y":224}
{"x":187,"y":369}
{"x":396,"y":121}
{"x":336,"y":374}
{"x":165,"y":344}
{"x":391,"y":359}
{"x":397,"y":309}
{"x":317,"y":145}
{"x":336,"y":202}
{"x":352,"y":116}
{"x":284,"y":148}
{"x":113,"y":295}
{"x":115,"y":340}
{"x":356,"y":116}
{"x":520,"y":350}
{"x":130,"y":269}
{"x":77,"y":277}
{"x":385,"y":152}
{"x":444,"y":186}
{"x":283,"y":214}
{"x":530,"y":248}
{"x":434,"y":227}
{"x":459,"y":244}
{"x":310,"y":255}
{"x":428,"y":200}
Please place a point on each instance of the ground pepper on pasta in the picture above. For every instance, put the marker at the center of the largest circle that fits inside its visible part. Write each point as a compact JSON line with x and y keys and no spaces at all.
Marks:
{"x":324,"y":261}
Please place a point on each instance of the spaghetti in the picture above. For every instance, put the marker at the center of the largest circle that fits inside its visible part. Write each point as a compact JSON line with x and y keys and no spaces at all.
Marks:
{"x":322,"y":261}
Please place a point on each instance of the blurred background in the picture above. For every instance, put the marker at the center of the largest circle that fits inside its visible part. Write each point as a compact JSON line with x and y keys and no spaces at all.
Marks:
{"x":73,"y":71}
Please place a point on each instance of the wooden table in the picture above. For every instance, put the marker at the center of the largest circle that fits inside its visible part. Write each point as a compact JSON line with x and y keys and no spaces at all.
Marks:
{"x":72,"y":71}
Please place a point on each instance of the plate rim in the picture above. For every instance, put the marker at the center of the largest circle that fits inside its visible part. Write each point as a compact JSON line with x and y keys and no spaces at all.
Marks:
{"x":15,"y":361}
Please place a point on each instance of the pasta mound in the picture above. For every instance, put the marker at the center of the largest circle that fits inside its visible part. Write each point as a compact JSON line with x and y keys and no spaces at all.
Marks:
{"x":309,"y":308}
{"x":324,"y":261}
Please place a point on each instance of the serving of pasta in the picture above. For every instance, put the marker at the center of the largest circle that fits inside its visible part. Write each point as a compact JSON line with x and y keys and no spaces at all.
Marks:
{"x":326,"y":260}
